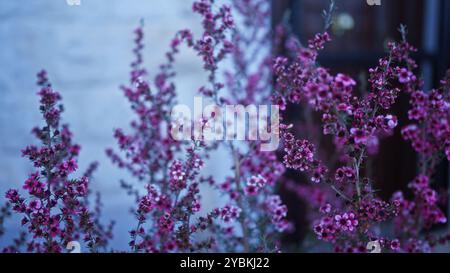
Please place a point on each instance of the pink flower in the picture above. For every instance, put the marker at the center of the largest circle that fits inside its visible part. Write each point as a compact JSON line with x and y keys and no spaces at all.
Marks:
{"x":395,"y":245}
{"x":359,"y":135}
{"x":326,"y":208}
{"x":344,"y":80}
{"x":346,"y":221}
{"x":404,"y":75}
{"x":35,"y":205}
{"x":251,"y":190}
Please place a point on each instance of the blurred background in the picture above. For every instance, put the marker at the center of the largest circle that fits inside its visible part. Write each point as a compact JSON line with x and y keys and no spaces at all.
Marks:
{"x":86,"y":50}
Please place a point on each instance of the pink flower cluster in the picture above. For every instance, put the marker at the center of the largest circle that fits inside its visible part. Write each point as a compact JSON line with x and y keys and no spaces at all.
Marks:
{"x":425,"y":205}
{"x":329,"y":227}
{"x":278,"y":213}
{"x":254,"y":183}
{"x":171,"y":215}
{"x":356,"y":124}
{"x":55,"y":210}
{"x":300,"y":156}
{"x":430,"y":133}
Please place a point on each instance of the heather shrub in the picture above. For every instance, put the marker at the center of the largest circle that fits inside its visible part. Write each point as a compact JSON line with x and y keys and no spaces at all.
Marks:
{"x":237,"y":51}
{"x":54,"y":209}
{"x":356,"y":124}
